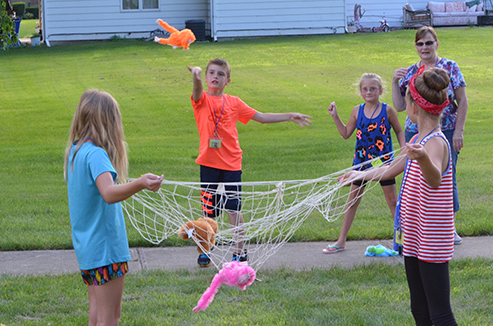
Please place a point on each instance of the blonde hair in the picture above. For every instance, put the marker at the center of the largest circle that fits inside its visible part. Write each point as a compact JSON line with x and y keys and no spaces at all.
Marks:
{"x":98,"y":119}
{"x":370,"y":76}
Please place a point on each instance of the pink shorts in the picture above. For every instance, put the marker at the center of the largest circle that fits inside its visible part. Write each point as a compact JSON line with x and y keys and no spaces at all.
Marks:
{"x":101,"y":275}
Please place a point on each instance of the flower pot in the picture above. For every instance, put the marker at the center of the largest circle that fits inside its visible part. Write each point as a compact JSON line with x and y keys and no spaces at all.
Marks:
{"x":35,"y":41}
{"x":351,"y":29}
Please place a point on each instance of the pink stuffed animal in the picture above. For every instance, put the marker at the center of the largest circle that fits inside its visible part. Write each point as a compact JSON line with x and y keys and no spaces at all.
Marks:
{"x":233,"y":273}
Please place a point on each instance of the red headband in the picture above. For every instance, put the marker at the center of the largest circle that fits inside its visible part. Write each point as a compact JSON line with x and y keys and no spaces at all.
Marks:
{"x":421,"y":101}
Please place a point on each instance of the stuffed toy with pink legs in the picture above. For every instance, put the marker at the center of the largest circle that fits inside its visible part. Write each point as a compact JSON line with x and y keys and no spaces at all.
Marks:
{"x":233,"y":273}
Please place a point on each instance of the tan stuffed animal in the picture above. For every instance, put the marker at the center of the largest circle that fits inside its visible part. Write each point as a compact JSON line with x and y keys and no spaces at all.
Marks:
{"x":203,"y":231}
{"x":177,"y":38}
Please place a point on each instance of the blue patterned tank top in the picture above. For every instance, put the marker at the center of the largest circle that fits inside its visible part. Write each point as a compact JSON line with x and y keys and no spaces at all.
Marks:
{"x":373,"y":137}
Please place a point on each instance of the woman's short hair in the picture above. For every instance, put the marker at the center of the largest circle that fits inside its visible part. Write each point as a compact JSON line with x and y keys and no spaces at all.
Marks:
{"x":422,"y":31}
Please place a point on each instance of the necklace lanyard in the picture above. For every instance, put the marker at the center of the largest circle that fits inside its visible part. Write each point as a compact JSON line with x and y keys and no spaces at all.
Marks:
{"x":378,"y":104}
{"x":216,"y":119}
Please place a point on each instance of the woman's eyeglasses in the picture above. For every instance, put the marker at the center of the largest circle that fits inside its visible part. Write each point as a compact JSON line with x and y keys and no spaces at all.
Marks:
{"x":427,"y":43}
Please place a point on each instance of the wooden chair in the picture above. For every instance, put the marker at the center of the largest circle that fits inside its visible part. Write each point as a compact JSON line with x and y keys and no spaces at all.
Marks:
{"x":415,"y":18}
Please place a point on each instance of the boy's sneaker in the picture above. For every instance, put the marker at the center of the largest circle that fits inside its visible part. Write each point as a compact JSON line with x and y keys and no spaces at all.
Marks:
{"x":240,"y":258}
{"x":204,"y":260}
{"x":457,"y":239}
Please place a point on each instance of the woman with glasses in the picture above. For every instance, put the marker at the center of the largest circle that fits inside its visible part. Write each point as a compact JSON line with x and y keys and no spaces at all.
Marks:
{"x":454,"y":116}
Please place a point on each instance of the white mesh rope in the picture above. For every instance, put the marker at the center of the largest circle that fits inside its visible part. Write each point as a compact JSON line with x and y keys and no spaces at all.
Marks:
{"x":272,"y":212}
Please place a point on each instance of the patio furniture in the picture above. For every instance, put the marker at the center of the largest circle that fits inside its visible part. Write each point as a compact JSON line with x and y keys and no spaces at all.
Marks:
{"x":415,"y":18}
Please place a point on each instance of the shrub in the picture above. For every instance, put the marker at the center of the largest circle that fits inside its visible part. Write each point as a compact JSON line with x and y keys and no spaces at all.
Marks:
{"x":34,"y":11}
{"x":19,"y":8}
{"x":8,"y":37}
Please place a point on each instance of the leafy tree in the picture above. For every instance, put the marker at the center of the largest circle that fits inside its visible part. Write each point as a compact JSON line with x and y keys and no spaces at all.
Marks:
{"x":8,"y":37}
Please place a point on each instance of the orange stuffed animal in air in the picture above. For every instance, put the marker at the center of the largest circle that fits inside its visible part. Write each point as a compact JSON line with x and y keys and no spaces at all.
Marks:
{"x":177,"y":39}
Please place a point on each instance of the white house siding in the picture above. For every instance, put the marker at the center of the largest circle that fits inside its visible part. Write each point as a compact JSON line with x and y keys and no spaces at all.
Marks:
{"x":78,"y":20}
{"x":375,"y":10}
{"x":241,"y":18}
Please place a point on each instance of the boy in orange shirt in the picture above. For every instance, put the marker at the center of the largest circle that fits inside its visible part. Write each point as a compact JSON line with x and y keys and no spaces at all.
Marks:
{"x":220,"y":154}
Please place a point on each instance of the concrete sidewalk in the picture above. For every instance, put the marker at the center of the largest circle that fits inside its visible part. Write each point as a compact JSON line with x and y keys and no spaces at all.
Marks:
{"x":296,"y":256}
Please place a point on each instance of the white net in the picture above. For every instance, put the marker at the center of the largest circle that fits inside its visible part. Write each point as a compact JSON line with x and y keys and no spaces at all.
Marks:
{"x":272,"y":212}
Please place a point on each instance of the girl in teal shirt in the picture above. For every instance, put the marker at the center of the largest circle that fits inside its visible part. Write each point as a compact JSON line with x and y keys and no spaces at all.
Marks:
{"x":96,"y":169}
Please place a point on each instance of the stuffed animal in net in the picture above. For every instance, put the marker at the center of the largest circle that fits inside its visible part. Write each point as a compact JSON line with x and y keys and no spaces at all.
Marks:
{"x":177,"y":39}
{"x":203,"y":232}
{"x":233,"y":273}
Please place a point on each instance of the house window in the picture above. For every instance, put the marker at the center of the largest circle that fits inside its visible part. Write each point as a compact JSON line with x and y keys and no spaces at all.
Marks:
{"x":140,"y":4}
{"x":150,"y":4}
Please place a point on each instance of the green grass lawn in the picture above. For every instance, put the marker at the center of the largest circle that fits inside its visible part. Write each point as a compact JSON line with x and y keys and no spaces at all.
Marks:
{"x":372,"y":295}
{"x":28,"y":27}
{"x":40,"y":89}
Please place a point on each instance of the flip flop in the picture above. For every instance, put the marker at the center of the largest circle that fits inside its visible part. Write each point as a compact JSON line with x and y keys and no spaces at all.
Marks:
{"x":332,"y":249}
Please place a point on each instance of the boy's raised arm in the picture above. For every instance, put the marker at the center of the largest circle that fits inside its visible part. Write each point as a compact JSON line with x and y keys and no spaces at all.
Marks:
{"x":198,"y":87}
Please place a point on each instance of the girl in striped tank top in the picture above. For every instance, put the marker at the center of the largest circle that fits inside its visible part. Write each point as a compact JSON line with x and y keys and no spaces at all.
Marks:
{"x":425,"y":204}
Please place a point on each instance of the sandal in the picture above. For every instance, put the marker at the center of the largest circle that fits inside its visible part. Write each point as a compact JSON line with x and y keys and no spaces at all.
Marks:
{"x":332,"y":249}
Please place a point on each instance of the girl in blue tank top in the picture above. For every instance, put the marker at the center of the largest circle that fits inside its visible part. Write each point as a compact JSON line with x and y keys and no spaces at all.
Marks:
{"x":373,"y":122}
{"x":373,"y":137}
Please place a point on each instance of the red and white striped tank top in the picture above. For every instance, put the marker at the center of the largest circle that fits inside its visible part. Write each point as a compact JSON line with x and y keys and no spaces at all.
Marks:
{"x":427,"y":214}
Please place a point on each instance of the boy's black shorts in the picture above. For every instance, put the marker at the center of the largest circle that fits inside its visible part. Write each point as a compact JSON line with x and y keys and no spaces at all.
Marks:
{"x":212,"y":201}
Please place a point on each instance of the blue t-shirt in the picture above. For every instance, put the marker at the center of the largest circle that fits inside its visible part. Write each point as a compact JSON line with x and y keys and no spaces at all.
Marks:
{"x":99,"y":236}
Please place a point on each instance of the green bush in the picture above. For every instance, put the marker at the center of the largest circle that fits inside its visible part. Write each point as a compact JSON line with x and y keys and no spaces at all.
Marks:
{"x":34,"y":11}
{"x":19,"y":9}
{"x":7,"y":28}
